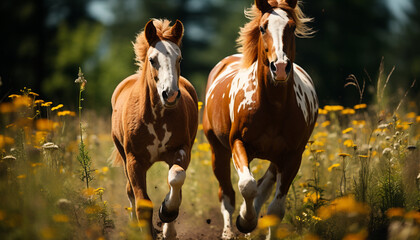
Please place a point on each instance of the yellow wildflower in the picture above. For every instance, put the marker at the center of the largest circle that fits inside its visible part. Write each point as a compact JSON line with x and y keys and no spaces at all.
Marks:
{"x":57,"y":107}
{"x":359,"y":123}
{"x":332,"y":108}
{"x":344,"y":155}
{"x":33,"y":94}
{"x":311,"y":196}
{"x":345,"y":204}
{"x":360,"y":106}
{"x":362,"y":235}
{"x":99,"y":191}
{"x":92,"y":209}
{"x":268,"y":221}
{"x":48,"y":233}
{"x":88,"y":192}
{"x":347,"y":130}
{"x":60,"y":218}
{"x":46,"y":104}
{"x":363,"y":156}
{"x":326,"y":123}
{"x":333,"y":166}
{"x":105,"y":169}
{"x":322,"y":111}
{"x":200,"y":127}
{"x":204,"y":147}
{"x":4,"y":140}
{"x":14,"y":96}
{"x":144,"y":203}
{"x":411,"y":115}
{"x":395,"y":212}
{"x":348,"y":143}
{"x":348,"y":111}
{"x":413,"y":215}
{"x":418,"y":119}
{"x":200,"y":105}
{"x":22,"y":176}
{"x":22,"y":101}
{"x":65,"y":113}
{"x":6,"y":108}
{"x":39,"y":101}
{"x":316,"y":218}
{"x":44,"y":124}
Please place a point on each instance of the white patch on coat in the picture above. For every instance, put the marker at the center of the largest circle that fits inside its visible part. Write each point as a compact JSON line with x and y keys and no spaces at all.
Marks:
{"x":230,"y":71}
{"x":276,"y":23}
{"x":176,"y":180}
{"x":158,"y":146}
{"x":169,"y":231}
{"x":305,"y":94}
{"x":227,"y":209}
{"x":165,"y":54}
{"x":245,"y":80}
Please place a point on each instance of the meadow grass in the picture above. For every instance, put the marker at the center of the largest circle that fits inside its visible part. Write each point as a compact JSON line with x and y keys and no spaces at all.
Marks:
{"x":359,"y":177}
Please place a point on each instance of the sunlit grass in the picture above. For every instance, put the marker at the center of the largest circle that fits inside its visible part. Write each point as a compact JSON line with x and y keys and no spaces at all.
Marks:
{"x":360,"y":177}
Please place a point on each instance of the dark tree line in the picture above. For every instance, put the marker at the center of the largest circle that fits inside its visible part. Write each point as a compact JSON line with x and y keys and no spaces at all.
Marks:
{"x":43,"y":42}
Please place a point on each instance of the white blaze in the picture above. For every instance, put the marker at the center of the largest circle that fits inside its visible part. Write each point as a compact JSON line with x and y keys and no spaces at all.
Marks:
{"x":276,"y":23}
{"x":165,"y":55}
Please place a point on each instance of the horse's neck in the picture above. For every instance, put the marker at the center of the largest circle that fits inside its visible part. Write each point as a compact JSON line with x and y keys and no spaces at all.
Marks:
{"x":146,"y":93}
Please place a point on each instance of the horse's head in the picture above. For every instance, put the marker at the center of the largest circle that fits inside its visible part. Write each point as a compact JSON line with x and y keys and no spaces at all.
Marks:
{"x":163,"y":60}
{"x":277,"y":30}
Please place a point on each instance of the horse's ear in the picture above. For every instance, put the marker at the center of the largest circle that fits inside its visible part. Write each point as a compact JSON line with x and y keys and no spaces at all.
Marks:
{"x":150,"y":32}
{"x":178,"y":31}
{"x":291,"y":3}
{"x":263,"y":5}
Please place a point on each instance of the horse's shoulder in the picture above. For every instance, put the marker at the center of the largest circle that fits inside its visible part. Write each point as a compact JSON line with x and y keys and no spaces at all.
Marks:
{"x":221,"y":66}
{"x":123,"y":86}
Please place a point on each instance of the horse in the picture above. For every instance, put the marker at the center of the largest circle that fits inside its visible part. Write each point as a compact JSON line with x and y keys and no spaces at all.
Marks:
{"x":155,"y":118}
{"x":260,"y":104}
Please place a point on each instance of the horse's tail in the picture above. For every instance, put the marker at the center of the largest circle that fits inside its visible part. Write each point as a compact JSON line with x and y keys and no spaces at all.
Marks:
{"x":115,"y":159}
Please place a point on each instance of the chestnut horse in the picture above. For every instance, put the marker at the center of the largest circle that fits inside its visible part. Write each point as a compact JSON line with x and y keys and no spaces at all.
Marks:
{"x":260,"y":104}
{"x":155,"y":118}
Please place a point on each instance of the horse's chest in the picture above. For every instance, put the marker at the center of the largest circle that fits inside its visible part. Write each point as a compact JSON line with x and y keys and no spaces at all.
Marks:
{"x":272,"y":139}
{"x":159,"y":140}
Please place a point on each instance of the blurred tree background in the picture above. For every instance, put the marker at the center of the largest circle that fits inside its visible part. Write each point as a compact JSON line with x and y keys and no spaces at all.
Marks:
{"x":43,"y":42}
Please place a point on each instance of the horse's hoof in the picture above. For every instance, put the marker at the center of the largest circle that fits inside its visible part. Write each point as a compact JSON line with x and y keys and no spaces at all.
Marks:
{"x":245,"y":229}
{"x":166,"y":216}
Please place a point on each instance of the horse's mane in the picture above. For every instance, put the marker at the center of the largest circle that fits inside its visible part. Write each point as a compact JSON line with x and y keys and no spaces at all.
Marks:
{"x":163,"y":31}
{"x":250,"y":33}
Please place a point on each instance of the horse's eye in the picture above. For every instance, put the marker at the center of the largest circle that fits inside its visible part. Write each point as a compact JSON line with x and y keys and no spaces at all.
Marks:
{"x":262,"y":29}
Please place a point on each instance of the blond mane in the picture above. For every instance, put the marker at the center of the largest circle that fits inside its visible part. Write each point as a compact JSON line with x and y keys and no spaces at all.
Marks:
{"x":163,"y":31}
{"x":250,"y":33}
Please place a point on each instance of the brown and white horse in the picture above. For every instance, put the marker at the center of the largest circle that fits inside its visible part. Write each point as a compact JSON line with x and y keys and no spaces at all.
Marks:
{"x":260,"y":104}
{"x":155,"y":118}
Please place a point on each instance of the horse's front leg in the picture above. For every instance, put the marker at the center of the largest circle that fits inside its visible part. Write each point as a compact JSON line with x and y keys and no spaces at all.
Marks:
{"x":169,"y":209}
{"x":137,"y":189}
{"x":247,"y":219}
{"x":283,"y":181}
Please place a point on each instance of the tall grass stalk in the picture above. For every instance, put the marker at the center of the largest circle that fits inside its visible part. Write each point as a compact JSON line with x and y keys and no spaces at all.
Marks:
{"x":83,"y":157}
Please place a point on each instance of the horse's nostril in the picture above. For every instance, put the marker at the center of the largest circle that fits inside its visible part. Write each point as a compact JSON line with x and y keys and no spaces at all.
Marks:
{"x":288,"y":67}
{"x":165,"y":95}
{"x":272,"y":67}
{"x":179,"y":94}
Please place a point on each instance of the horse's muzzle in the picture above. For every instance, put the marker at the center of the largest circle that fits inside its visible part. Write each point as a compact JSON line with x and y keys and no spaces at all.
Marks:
{"x":170,"y":98}
{"x":280,"y":70}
